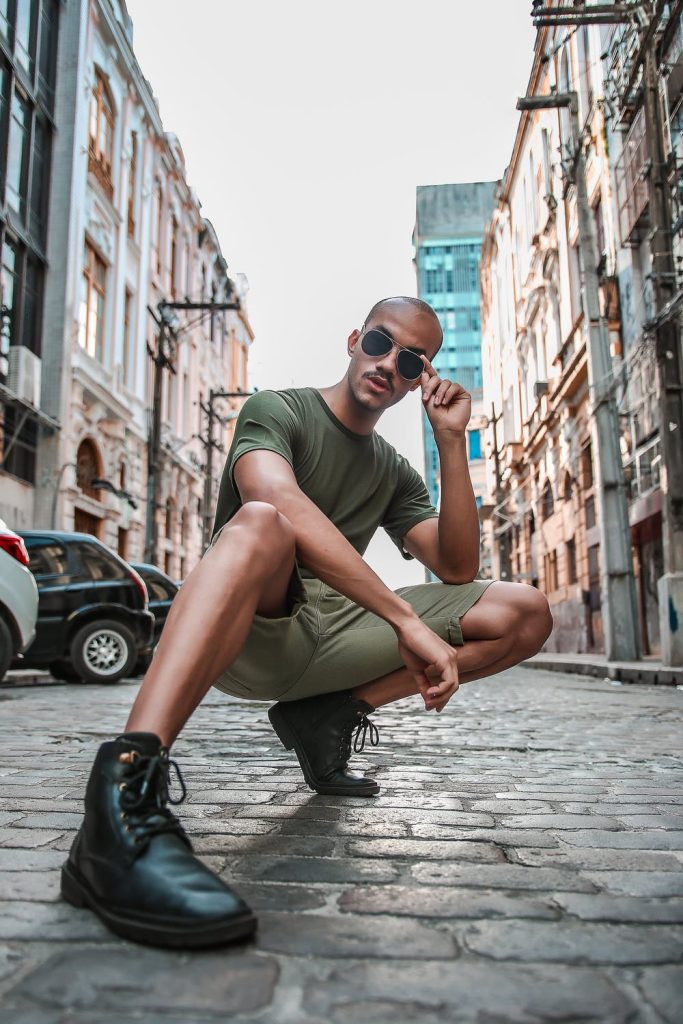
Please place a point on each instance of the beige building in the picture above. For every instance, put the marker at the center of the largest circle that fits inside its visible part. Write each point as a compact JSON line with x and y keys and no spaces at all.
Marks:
{"x":544,"y":511}
{"x":127,"y":233}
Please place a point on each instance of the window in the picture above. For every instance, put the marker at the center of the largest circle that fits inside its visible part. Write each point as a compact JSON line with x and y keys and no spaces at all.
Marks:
{"x":87,"y":468}
{"x":132,"y":178}
{"x":47,"y":54}
{"x":127,"y":338}
{"x":101,"y":134}
{"x":18,"y":154}
{"x":46,"y":558}
{"x":547,"y":502}
{"x":571,"y":561}
{"x":25,"y":35}
{"x":174,"y":256}
{"x":122,"y":543}
{"x":587,"y":467}
{"x":5,"y":18}
{"x":594,"y":602}
{"x":40,"y":170}
{"x":91,"y":325}
{"x":157,"y":221}
{"x":18,"y":444}
{"x":96,"y":563}
{"x":550,"y":564}
{"x":474,"y":438}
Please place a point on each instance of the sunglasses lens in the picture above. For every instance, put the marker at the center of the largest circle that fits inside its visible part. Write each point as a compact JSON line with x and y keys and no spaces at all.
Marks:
{"x":409,"y":365}
{"x":375,"y":344}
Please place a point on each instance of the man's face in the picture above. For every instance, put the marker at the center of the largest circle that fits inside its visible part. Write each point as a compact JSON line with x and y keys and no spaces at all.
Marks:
{"x":375,"y":381}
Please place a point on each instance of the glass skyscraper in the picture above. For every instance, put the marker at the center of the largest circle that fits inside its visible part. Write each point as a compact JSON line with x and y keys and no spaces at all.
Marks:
{"x":449,"y":229}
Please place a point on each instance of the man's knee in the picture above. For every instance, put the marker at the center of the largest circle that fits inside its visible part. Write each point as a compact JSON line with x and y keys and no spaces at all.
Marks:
{"x":534,"y":618}
{"x":262,"y":528}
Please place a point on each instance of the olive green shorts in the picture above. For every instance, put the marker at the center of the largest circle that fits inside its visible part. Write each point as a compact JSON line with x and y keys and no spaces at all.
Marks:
{"x":328,"y":643}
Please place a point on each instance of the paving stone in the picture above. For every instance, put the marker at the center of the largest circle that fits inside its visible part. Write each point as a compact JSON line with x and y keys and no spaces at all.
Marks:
{"x":559,"y":820}
{"x":501,"y":836}
{"x":310,"y":869}
{"x":30,"y":860}
{"x":582,"y":857}
{"x":41,"y":921}
{"x":348,"y":936}
{"x":367,"y":829}
{"x":42,"y":886}
{"x":282,"y":896}
{"x":575,"y":942}
{"x":663,"y":989}
{"x":638,"y":883}
{"x":285,"y":846}
{"x":436,"y":902}
{"x":453,"y":850}
{"x":641,"y":840}
{"x":11,"y":959}
{"x":139,"y":978}
{"x":669,"y":821}
{"x":500,"y":876}
{"x":27,"y":838}
{"x":471,"y":992}
{"x":604,"y":907}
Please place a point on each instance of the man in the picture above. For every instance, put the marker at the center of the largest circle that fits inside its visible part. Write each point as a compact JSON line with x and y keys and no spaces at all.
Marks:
{"x":283,"y":607}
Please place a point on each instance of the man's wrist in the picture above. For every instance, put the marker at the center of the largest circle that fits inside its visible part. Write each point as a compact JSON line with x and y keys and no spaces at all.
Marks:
{"x":450,"y":437}
{"x":402,"y":616}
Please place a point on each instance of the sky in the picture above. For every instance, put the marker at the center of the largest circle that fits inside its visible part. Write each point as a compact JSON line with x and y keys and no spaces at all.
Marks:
{"x":306,"y":127}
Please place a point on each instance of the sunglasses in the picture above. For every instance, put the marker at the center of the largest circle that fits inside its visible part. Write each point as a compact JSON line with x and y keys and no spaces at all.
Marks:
{"x":409,"y":364}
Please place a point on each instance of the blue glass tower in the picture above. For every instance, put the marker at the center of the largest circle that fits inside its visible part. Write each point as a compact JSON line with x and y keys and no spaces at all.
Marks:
{"x":449,"y":228}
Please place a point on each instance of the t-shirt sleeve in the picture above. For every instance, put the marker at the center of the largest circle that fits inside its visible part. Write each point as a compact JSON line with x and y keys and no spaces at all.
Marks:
{"x":265,"y":423}
{"x":410,"y":505}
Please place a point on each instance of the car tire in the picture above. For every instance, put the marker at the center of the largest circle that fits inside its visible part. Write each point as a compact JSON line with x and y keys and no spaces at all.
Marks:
{"x":65,"y":671}
{"x":6,"y":648}
{"x":103,"y":651}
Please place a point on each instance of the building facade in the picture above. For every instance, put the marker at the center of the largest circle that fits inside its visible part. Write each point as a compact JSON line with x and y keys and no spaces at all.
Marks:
{"x":126,"y":235}
{"x":544,"y":480}
{"x":29,"y":35}
{"x":449,"y":227}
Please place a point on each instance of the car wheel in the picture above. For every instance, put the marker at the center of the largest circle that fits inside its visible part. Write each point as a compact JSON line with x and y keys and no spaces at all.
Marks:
{"x":6,"y":648}
{"x":103,"y":652}
{"x":64,"y":670}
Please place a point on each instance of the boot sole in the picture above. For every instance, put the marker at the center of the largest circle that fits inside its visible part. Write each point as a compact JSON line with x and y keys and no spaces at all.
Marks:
{"x":290,"y":741}
{"x":76,"y":891}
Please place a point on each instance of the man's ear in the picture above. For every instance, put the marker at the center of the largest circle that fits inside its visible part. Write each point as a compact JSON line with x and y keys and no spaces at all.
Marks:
{"x":353,"y":341}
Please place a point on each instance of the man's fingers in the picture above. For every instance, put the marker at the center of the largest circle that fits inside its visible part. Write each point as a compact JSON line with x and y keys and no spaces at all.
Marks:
{"x":429,"y":388}
{"x":429,"y":369}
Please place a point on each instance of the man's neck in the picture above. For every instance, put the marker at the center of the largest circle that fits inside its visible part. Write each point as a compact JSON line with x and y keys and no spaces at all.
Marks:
{"x":341,"y":402}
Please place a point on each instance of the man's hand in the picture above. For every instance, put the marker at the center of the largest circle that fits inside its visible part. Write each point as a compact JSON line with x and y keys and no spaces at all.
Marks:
{"x":447,"y":404}
{"x":432,"y":661}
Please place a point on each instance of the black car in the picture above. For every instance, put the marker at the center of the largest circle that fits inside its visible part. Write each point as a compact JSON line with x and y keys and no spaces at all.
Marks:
{"x":161,"y":590}
{"x":93,"y":616}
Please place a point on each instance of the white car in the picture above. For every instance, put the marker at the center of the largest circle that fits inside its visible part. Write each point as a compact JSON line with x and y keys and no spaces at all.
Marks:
{"x":18,"y":598}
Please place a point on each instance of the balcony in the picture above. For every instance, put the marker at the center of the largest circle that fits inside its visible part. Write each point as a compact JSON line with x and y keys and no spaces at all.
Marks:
{"x":631,"y":181}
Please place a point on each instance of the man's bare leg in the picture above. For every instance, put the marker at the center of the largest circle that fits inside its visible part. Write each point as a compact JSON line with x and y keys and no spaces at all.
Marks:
{"x":246,"y":572}
{"x":509,"y":622}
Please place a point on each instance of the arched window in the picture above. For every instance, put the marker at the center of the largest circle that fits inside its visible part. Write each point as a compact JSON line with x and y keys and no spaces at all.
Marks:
{"x":88,"y":468}
{"x":547,"y":502}
{"x":567,"y":486}
{"x":184,"y":521}
{"x":101,"y":134}
{"x":170,"y":518}
{"x":132,"y":178}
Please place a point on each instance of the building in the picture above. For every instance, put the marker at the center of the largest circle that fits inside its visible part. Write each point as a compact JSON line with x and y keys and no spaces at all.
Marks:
{"x":544,"y":481}
{"x":126,"y":235}
{"x":449,"y":227}
{"x":29,"y":35}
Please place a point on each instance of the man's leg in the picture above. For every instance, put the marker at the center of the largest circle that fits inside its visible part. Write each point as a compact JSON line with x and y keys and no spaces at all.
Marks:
{"x":247,"y":571}
{"x":131,"y":862}
{"x":509,"y":623}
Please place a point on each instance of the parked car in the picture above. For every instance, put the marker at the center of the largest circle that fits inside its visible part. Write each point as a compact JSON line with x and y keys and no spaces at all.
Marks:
{"x":18,"y":599}
{"x":93,"y":615}
{"x":161,"y":589}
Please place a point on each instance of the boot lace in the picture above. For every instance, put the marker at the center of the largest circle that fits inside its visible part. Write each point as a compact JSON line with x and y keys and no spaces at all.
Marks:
{"x":354,"y":736}
{"x":144,"y":795}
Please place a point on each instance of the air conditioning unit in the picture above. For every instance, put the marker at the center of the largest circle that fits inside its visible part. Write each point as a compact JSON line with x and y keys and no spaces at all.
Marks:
{"x":24,"y":374}
{"x":540,"y":388}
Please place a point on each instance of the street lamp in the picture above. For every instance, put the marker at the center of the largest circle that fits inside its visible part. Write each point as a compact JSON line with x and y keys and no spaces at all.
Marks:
{"x":618,"y":582}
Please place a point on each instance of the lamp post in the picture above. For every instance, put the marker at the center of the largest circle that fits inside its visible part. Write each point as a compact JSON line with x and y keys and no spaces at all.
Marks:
{"x":620,"y":612}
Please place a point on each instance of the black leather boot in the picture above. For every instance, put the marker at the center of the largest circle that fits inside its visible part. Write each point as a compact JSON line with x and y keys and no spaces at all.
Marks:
{"x":322,"y":730}
{"x":132,"y":862}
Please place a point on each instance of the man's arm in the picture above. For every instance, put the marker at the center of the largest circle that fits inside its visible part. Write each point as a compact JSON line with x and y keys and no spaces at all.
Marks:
{"x":449,"y":544}
{"x":265,"y":476}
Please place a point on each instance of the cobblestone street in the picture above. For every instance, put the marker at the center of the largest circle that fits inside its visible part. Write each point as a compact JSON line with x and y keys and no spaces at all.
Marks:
{"x":522,"y":863}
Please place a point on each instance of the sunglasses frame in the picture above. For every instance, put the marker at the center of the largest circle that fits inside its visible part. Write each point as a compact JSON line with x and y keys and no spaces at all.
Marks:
{"x":393,"y":344}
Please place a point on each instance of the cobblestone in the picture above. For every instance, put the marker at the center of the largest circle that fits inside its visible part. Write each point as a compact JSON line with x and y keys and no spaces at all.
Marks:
{"x":521,"y":864}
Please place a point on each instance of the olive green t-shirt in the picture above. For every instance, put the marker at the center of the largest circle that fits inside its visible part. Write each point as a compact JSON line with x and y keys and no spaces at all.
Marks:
{"x":359,"y":481}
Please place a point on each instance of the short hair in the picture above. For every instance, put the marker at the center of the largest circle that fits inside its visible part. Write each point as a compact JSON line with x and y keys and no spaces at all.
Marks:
{"x":420,"y":304}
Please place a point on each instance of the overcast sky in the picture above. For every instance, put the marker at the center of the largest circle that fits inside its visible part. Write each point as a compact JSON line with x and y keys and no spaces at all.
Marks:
{"x":306,"y":126}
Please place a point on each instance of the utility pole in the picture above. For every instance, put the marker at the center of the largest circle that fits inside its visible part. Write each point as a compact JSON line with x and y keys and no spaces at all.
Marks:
{"x":502,"y":534}
{"x":209,"y":445}
{"x":666,"y":298}
{"x":164,"y":358}
{"x":620,"y":609}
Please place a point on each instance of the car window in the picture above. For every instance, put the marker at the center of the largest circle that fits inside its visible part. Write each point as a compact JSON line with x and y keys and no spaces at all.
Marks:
{"x":159,"y":588}
{"x":47,"y":558}
{"x":97,"y":564}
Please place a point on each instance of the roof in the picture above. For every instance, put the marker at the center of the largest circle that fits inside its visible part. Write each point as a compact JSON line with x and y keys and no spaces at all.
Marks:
{"x":454,"y":211}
